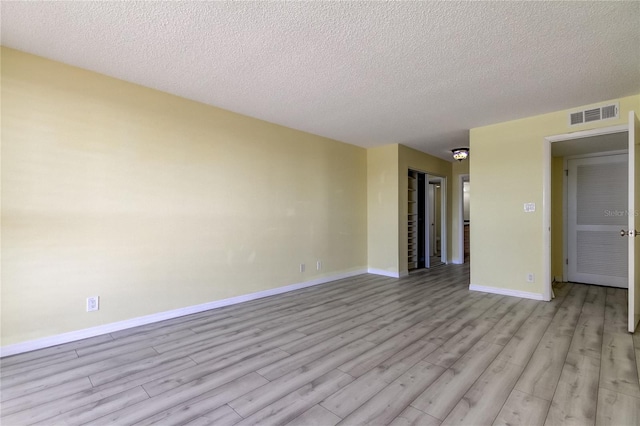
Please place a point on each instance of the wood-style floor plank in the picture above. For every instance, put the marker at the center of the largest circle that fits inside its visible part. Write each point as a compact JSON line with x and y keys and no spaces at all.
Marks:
{"x":504,"y":329}
{"x":293,"y":405}
{"x":481,"y":404}
{"x":617,"y":409}
{"x":315,"y":416}
{"x":576,"y":397}
{"x":420,"y":350}
{"x":522,"y":409}
{"x":413,"y":417}
{"x":393,"y":399}
{"x":352,"y":396}
{"x":105,"y":406}
{"x":201,"y":406}
{"x":276,"y":389}
{"x":38,"y":380}
{"x":618,"y":371}
{"x":541,"y":375}
{"x":223,"y":416}
{"x":439,"y":399}
{"x":216,"y":392}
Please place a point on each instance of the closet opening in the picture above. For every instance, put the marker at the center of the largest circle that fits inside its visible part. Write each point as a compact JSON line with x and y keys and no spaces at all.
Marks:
{"x":426,"y":247}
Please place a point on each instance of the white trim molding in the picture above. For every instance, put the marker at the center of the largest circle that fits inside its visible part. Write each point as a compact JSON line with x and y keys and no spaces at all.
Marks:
{"x":386,"y":273}
{"x":506,"y":292}
{"x":588,"y":133}
{"x":73,"y":336}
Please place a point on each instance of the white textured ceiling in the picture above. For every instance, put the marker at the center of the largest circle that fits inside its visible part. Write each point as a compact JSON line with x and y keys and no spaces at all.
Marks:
{"x":366,"y":73}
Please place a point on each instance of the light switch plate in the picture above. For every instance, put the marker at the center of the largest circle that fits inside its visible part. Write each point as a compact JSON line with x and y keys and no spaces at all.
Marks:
{"x":529,"y":207}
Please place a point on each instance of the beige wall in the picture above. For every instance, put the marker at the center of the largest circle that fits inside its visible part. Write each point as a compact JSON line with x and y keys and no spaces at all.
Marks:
{"x":382,"y":209}
{"x":507,"y":171}
{"x":154,"y":202}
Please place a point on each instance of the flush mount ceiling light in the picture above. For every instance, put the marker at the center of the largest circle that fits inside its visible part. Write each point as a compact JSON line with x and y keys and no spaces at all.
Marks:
{"x":460,"y":153}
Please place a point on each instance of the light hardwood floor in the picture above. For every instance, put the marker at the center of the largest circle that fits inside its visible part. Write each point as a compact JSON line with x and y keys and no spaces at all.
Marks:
{"x":421,"y":350}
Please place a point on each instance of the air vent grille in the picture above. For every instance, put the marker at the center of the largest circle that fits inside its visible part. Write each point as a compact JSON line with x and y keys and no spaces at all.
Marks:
{"x":592,"y":115}
{"x":576,"y":118}
{"x":609,"y":111}
{"x":605,"y":112}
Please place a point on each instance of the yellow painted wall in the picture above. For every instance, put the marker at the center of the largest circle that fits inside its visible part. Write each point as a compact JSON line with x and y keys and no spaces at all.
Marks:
{"x":154,"y":202}
{"x":382,"y":208}
{"x":507,"y":171}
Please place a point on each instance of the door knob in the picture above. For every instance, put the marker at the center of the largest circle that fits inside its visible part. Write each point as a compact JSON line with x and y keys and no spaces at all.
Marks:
{"x":630,"y":233}
{"x":623,"y":232}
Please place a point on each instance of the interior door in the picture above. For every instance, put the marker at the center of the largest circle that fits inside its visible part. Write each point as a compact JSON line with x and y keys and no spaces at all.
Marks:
{"x":634,"y":208}
{"x":597,"y":206}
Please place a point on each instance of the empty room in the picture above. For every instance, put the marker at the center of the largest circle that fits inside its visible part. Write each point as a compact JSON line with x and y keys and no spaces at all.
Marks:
{"x":320,"y":213}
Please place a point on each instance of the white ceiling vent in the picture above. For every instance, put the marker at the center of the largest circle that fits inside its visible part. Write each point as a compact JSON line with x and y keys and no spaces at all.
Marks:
{"x":594,"y":114}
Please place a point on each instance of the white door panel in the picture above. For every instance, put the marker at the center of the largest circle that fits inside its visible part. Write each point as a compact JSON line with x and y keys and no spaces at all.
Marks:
{"x":597,"y":211}
{"x":634,"y":208}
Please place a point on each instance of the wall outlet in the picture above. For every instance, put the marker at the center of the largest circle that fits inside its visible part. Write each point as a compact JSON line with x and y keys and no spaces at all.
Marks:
{"x":319,"y":265}
{"x":302,"y":267}
{"x":93,"y":303}
{"x":531,"y":278}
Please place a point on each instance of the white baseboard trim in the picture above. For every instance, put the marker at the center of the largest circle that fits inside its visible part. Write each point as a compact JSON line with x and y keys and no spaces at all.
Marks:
{"x":506,"y":292}
{"x":73,"y":336}
{"x":384,"y":273}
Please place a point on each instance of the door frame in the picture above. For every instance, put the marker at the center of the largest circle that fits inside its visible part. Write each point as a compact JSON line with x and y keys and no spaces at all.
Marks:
{"x":444,"y":220}
{"x":460,"y":255}
{"x":547,"y":293}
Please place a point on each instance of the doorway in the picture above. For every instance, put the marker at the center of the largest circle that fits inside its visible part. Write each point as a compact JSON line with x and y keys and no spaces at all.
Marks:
{"x":633,"y":207}
{"x":464,"y":223}
{"x":630,"y":232}
{"x":426,"y":226}
{"x":434,"y":203}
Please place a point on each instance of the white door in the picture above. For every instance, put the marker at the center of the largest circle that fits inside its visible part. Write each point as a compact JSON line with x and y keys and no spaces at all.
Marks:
{"x":597,"y":210}
{"x":632,"y":233}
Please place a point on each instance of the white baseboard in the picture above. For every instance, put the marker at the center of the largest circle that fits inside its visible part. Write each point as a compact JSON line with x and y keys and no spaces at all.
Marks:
{"x":506,"y":292}
{"x":384,"y":273}
{"x":73,"y":336}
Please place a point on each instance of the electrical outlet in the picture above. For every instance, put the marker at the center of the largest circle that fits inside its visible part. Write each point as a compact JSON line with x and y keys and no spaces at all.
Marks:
{"x":93,"y":303}
{"x":531,"y":278}
{"x":302,"y":267}
{"x":319,"y":265}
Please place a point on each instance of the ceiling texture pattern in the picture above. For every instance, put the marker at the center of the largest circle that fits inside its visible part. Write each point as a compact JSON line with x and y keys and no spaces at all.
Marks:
{"x":366,"y":73}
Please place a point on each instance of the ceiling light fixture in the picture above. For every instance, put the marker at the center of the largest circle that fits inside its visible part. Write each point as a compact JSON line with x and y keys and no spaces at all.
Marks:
{"x":460,"y":153}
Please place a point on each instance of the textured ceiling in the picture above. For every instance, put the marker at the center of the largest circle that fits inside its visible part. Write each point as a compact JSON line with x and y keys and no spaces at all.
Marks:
{"x":366,"y":73}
